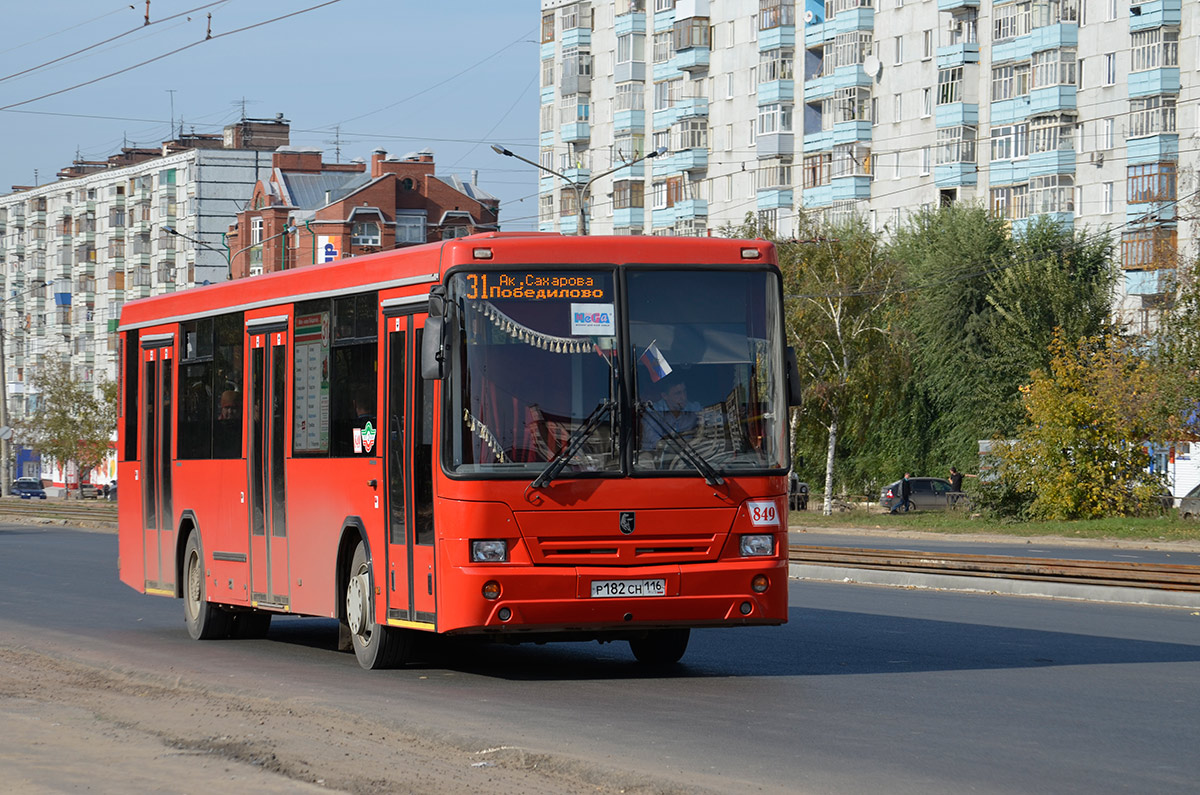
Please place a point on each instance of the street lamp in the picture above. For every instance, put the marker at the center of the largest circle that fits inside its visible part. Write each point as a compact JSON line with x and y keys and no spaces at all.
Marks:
{"x":287,"y":230}
{"x":580,"y":190}
{"x":228,"y":259}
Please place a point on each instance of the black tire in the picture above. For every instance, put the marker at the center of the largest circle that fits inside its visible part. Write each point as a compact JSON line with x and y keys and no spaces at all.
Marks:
{"x":249,"y":625}
{"x":375,"y":646}
{"x":205,"y":621}
{"x":661,"y":646}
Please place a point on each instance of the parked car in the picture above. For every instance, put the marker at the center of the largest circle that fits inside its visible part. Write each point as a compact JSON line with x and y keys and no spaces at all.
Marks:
{"x":927,"y":494}
{"x":88,"y":491}
{"x":1189,"y":504}
{"x":797,"y":493}
{"x":28,"y":488}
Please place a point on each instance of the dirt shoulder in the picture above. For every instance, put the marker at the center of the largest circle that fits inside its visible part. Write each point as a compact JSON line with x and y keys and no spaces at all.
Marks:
{"x":877,"y":531}
{"x":75,"y":726}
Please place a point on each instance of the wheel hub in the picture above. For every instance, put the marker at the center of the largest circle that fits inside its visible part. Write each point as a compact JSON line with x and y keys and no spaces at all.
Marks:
{"x":358,"y":601}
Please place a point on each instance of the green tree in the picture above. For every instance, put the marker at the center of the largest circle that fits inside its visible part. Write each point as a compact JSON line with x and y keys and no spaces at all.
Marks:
{"x":1082,"y":451}
{"x":71,"y":425}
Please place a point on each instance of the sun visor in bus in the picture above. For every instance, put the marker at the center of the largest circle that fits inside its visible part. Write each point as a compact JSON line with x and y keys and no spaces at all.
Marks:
{"x":702,"y":344}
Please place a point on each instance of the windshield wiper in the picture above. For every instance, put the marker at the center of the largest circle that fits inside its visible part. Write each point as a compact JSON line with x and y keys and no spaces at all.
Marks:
{"x":574,"y":442}
{"x":685,"y":448}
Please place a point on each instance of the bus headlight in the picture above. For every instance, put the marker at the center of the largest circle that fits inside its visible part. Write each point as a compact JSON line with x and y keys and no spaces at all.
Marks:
{"x":758,"y":545}
{"x":489,"y":550}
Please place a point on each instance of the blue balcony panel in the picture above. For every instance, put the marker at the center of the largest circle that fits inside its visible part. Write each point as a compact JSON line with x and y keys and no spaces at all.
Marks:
{"x":691,"y":160}
{"x":547,"y":50}
{"x":815,"y":35}
{"x":576,"y":37}
{"x":692,"y":107}
{"x":1008,"y":172}
{"x":1150,"y":214}
{"x":950,"y":5}
{"x":578,"y":131}
{"x":547,"y":182}
{"x":664,"y":166}
{"x":546,"y":138}
{"x":547,"y":95}
{"x":775,"y":144}
{"x":949,"y":175}
{"x":1051,"y":98}
{"x":1155,"y":14}
{"x":818,"y":141}
{"x":1152,"y":149}
{"x":633,"y":217}
{"x":1008,"y":111}
{"x":1060,"y":161}
{"x":664,"y":20}
{"x":691,"y":208}
{"x":957,"y":55}
{"x":635,"y":170}
{"x":1018,"y":49}
{"x":1154,"y":81}
{"x":693,"y":59}
{"x":956,"y":114}
{"x":630,"y":72}
{"x":1149,"y":282}
{"x":1064,"y":220}
{"x":666,"y":71}
{"x":820,"y":196}
{"x":846,"y":188}
{"x":776,"y":91}
{"x":1053,"y":37}
{"x":848,"y":132}
{"x":854,"y":19}
{"x":546,"y":226}
{"x":629,"y":23}
{"x":664,"y":118}
{"x":775,"y":199}
{"x":850,"y":76}
{"x":568,"y":224}
{"x":663,"y":217}
{"x":773,"y":39}
{"x":818,"y":88}
{"x":579,"y":176}
{"x":625,"y":120}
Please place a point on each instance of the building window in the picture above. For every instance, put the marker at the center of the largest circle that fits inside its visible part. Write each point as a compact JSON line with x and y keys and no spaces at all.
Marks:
{"x":1148,"y":249}
{"x":950,"y":85}
{"x":926,"y":102}
{"x":955,"y":145}
{"x":570,"y":16}
{"x":1110,"y":69}
{"x":256,"y":232}
{"x":898,"y":45}
{"x":776,"y":64}
{"x":631,"y":96}
{"x":410,"y":229}
{"x":1151,"y":182}
{"x":1054,"y":68}
{"x":1106,"y":197}
{"x":835,"y":7}
{"x":631,"y":47}
{"x":365,"y":233}
{"x":1054,"y":12}
{"x":629,"y":193}
{"x":851,"y":160}
{"x":690,"y":134}
{"x":1151,"y":115}
{"x":927,"y":45}
{"x":852,"y":104}
{"x":547,"y":27}
{"x":548,"y":72}
{"x":1011,"y":201}
{"x":663,"y":49}
{"x":658,"y":195}
{"x":674,"y":190}
{"x":691,"y":32}
{"x":776,"y":118}
{"x":1052,"y":194}
{"x":1154,"y":49}
{"x":926,"y":161}
{"x":851,"y":48}
{"x":628,"y":146}
{"x":567,"y":204}
{"x":1002,"y":82}
{"x":666,"y":93}
{"x":776,"y":14}
{"x":1051,"y":132}
{"x":1010,"y":21}
{"x":774,"y":174}
{"x":817,"y":169}
{"x":1009,"y":142}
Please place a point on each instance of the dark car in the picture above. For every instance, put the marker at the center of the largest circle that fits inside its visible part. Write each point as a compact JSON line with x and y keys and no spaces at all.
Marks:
{"x":28,"y":488}
{"x":927,"y":494}
{"x":797,"y":493}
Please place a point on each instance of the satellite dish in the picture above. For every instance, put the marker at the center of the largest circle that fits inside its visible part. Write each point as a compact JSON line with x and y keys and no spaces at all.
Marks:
{"x":872,"y":66}
{"x":809,"y":17}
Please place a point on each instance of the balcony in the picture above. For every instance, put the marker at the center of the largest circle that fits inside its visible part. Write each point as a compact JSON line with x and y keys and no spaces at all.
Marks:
{"x":775,"y":144}
{"x":573,"y":133}
{"x":1154,"y":13}
{"x":1154,"y":81}
{"x":693,"y":59}
{"x":955,"y":174}
{"x":690,"y":159}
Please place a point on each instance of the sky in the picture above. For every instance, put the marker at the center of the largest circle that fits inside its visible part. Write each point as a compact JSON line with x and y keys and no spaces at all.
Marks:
{"x":453,"y":76}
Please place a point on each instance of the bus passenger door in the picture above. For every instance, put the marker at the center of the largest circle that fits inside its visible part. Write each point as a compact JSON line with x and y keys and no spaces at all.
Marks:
{"x":158,"y":523}
{"x":411,"y":573}
{"x":268,"y":519}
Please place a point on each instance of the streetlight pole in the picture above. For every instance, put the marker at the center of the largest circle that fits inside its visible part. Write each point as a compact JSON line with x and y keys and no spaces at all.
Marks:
{"x":228,"y":258}
{"x":581,"y":191}
{"x":287,"y":230}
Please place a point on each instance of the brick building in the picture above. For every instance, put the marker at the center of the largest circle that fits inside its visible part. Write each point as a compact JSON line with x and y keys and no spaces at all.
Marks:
{"x":308,"y":211}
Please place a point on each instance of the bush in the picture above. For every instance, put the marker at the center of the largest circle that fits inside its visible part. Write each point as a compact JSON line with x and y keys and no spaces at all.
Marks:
{"x":998,"y":499}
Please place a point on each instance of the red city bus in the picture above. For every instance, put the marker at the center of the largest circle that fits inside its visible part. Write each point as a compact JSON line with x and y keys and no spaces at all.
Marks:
{"x":527,"y":437}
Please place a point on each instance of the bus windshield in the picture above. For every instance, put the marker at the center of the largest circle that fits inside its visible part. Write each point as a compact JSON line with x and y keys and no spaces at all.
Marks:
{"x":535,"y":369}
{"x":540,"y":387}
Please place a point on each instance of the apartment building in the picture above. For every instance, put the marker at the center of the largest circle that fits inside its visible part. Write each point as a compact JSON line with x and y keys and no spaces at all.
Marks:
{"x":143,"y":222}
{"x":1081,"y":110}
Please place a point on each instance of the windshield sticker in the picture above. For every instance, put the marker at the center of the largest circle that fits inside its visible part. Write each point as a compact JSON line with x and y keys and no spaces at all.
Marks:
{"x":595,"y":320}
{"x":655,"y":362}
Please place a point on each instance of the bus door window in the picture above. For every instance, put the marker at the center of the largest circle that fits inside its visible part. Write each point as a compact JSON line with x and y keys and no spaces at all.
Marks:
{"x":157,"y":520}
{"x":398,"y":468}
{"x":268,"y":551}
{"x":424,"y":601}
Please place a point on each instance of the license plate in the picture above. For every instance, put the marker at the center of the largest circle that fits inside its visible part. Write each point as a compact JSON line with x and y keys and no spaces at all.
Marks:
{"x":602,"y":589}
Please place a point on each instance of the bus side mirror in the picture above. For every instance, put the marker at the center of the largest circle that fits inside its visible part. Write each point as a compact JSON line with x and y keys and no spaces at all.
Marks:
{"x":433,"y":343}
{"x":794,"y":393}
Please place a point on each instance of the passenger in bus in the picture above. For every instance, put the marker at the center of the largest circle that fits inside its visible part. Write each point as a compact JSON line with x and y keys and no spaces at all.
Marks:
{"x":672,"y":409}
{"x":227,"y":440}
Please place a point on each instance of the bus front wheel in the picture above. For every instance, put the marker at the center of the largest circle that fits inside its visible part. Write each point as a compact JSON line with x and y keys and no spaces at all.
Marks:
{"x":660,"y":647}
{"x":375,"y":646}
{"x":204,"y":620}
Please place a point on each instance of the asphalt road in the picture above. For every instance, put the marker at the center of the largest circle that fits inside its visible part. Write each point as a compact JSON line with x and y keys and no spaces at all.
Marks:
{"x":867,"y":689}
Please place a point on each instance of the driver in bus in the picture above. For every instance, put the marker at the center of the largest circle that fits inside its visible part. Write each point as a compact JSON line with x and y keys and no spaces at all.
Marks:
{"x":672,"y":409}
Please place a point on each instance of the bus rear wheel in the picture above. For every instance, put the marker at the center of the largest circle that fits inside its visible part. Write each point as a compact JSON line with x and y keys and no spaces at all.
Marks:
{"x":204,"y":620}
{"x":660,"y":646}
{"x":375,"y":646}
